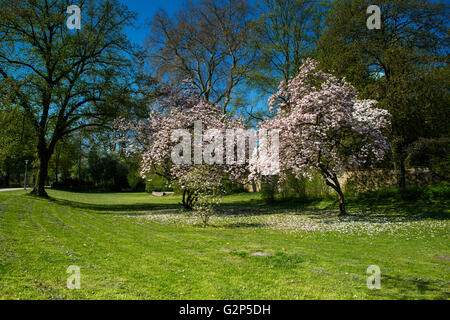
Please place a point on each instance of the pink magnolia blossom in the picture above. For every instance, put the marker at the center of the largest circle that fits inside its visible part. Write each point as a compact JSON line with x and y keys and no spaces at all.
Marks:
{"x":324,"y":126}
{"x":153,"y":137}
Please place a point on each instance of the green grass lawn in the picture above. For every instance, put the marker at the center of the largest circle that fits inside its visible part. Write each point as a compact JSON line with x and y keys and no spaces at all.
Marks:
{"x":135,"y":246}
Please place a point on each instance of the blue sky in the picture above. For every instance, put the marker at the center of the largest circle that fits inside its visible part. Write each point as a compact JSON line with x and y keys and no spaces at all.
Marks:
{"x":146,"y":9}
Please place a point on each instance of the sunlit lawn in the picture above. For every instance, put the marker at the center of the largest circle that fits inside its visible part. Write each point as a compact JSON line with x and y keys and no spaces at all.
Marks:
{"x":136,"y":246}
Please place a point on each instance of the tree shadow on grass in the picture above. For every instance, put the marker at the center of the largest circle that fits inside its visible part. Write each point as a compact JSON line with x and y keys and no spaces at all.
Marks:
{"x":241,"y":211}
{"x":423,"y":286}
{"x":404,"y":212}
{"x":238,"y":225}
{"x":125,"y":209}
{"x":259,"y":208}
{"x":396,"y":213}
{"x":377,"y":218}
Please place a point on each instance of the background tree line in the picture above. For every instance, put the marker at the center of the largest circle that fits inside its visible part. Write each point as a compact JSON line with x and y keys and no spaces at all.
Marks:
{"x":61,"y":90}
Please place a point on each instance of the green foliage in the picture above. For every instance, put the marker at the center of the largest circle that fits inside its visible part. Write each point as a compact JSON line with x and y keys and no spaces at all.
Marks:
{"x":293,"y":188}
{"x":157,"y":183}
{"x":104,"y":172}
{"x":404,"y":66}
{"x":316,"y":188}
{"x":135,"y":181}
{"x":17,"y":143}
{"x":284,"y":33}
{"x":379,"y":196}
{"x":412,"y":193}
{"x":268,"y":191}
{"x":305,"y":189}
{"x":65,"y":80}
{"x":63,"y":160}
{"x":437,"y":194}
{"x":351,"y":188}
{"x":70,"y":184}
{"x":107,"y":171}
{"x":230,"y":187}
{"x":433,"y":154}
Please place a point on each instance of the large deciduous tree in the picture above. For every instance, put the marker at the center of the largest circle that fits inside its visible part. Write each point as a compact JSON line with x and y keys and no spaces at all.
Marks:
{"x":285,"y":33}
{"x":64,"y":80}
{"x":157,"y":140}
{"x":324,"y":127}
{"x":397,"y":65}
{"x":206,"y":42}
{"x":17,"y":142}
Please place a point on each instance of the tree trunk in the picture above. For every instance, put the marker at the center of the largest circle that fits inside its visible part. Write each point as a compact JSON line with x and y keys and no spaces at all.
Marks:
{"x":184,"y":198}
{"x":7,"y":177}
{"x":57,"y":166}
{"x":268,"y":191}
{"x":187,"y":200}
{"x":44,"y":154}
{"x":332,"y":181}
{"x":401,"y":173}
{"x":254,"y":186}
{"x":39,"y":187}
{"x":342,"y":210}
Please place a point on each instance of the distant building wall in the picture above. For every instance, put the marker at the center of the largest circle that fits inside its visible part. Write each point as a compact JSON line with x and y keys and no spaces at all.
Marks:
{"x":363,"y":180}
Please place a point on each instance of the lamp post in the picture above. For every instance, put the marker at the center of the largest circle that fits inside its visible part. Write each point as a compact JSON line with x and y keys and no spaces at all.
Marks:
{"x":25,"y":180}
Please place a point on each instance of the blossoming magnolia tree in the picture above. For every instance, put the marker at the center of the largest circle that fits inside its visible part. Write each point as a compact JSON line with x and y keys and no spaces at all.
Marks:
{"x":325,"y":127}
{"x":204,"y":192}
{"x":158,"y":140}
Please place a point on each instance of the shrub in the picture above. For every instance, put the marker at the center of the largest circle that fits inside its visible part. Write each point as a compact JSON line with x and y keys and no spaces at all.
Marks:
{"x":158,"y":184}
{"x":136,"y":183}
{"x":439,"y":193}
{"x":203,"y":195}
{"x":315,"y":188}
{"x":137,"y":186}
{"x":268,"y":192}
{"x":382,"y":195}
{"x":412,"y":193}
{"x":432,"y":153}
{"x":293,"y":188}
{"x":73,"y":185}
{"x":205,"y":205}
{"x":107,"y":171}
{"x":230,"y":187}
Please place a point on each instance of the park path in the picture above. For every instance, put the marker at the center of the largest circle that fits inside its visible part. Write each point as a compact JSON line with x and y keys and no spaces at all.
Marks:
{"x":11,"y":189}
